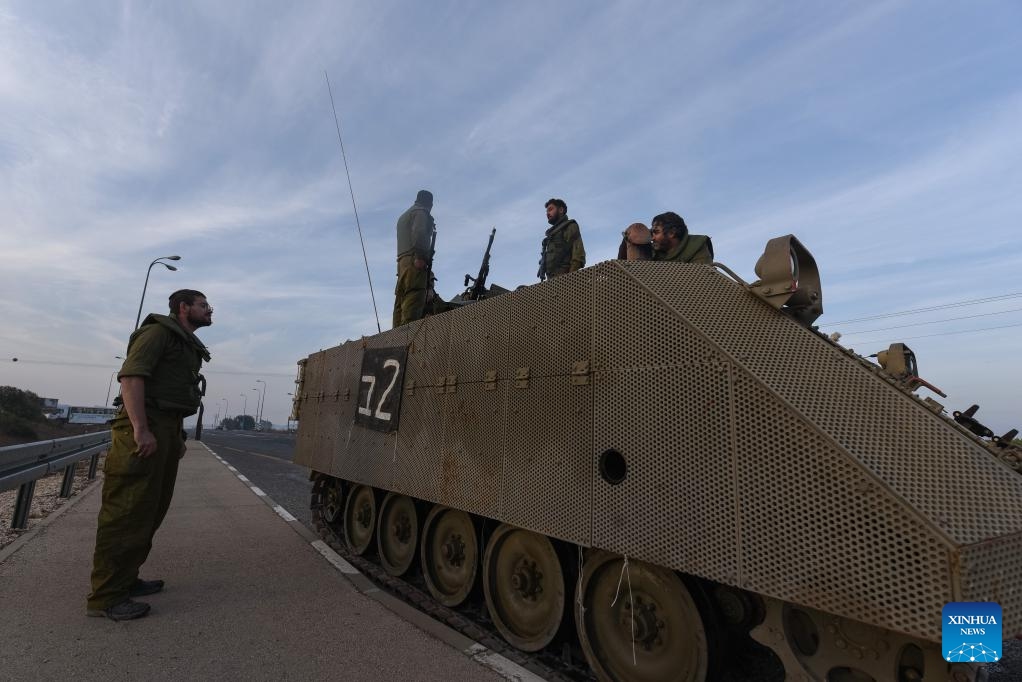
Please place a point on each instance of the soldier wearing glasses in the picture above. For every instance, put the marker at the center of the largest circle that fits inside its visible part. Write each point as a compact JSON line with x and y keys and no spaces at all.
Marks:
{"x":159,"y":388}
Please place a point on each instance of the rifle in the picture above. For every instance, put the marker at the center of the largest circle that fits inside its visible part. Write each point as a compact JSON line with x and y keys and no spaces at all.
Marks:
{"x":477,"y":291}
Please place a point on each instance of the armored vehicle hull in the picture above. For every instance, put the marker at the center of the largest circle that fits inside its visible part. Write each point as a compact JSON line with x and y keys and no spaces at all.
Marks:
{"x":655,"y":444}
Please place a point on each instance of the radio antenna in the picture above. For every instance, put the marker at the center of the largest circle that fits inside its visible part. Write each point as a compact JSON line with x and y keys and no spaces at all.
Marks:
{"x":344,"y":156}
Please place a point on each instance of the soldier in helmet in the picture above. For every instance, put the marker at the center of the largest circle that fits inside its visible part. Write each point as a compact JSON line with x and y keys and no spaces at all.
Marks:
{"x":414,"y":260}
{"x":159,"y":388}
{"x":562,"y":251}
{"x":672,"y":242}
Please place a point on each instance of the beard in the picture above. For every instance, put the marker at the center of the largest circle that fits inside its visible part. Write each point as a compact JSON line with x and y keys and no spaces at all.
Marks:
{"x":203,"y":320}
{"x":556,"y":219}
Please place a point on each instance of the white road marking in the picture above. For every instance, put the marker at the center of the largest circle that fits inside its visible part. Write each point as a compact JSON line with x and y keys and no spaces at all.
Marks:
{"x":257,"y":491}
{"x":284,"y":513}
{"x":241,"y":477}
{"x":334,"y":558}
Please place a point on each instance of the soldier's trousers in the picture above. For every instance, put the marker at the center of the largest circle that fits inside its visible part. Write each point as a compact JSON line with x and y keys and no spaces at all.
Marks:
{"x":410,"y":292}
{"x":136,"y":497}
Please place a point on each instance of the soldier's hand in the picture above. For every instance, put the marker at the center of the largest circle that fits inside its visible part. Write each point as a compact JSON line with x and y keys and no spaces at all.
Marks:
{"x":419,"y":264}
{"x":146,"y":442}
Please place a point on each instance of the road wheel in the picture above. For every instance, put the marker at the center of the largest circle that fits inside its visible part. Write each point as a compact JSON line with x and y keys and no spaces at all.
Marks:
{"x":524,"y":587}
{"x":397,"y":533}
{"x":642,"y":610}
{"x":328,"y":507}
{"x":450,"y":555}
{"x":359,"y":518}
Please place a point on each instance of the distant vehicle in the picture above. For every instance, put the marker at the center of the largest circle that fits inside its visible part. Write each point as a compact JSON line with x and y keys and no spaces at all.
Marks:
{"x":90,"y":415}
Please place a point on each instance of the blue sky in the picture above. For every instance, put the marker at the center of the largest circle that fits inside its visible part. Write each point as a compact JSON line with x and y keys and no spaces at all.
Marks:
{"x":884,"y":135}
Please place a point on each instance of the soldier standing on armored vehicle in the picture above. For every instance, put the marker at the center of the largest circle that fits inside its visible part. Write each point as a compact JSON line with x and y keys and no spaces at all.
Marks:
{"x":160,"y":387}
{"x":414,"y":260}
{"x":672,"y":242}
{"x":562,"y":251}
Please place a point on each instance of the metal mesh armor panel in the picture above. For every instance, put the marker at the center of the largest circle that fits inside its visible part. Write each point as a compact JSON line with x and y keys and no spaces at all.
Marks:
{"x":990,"y":573}
{"x":664,"y":405}
{"x":817,"y":530}
{"x":306,"y":441}
{"x":473,"y":453}
{"x":475,"y":417}
{"x":368,"y":455}
{"x":924,"y":459}
{"x":551,"y":324}
{"x":330,"y":408}
{"x":548,"y":467}
{"x":420,"y":438}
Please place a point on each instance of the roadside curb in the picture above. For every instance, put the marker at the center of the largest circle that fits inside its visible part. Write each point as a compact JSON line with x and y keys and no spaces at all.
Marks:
{"x":479,"y":653}
{"x":8,"y":551}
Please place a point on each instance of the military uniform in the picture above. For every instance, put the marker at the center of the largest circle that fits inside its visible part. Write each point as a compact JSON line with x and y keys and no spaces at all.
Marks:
{"x":562,"y":250}
{"x":414,"y":229}
{"x":694,"y":248}
{"x":137,"y":491}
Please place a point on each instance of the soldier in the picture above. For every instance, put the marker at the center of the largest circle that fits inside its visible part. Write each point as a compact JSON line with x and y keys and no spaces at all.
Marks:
{"x":672,"y":242}
{"x":562,"y":251}
{"x":635,"y":243}
{"x":159,"y":388}
{"x":414,"y":260}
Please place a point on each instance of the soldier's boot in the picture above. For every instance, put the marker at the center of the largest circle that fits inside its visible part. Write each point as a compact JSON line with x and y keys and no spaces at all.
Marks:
{"x":141,"y":588}
{"x":126,"y":610}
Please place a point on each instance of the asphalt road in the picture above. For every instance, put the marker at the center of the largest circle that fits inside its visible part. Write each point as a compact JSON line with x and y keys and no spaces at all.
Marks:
{"x":265,"y":459}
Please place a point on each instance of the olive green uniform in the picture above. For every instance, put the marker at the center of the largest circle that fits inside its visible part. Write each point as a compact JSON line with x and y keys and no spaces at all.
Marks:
{"x":562,"y":250}
{"x":414,"y":229}
{"x":137,"y":491}
{"x":694,"y":248}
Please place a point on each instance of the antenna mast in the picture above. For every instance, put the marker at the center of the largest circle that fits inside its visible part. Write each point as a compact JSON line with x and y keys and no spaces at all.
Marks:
{"x":344,"y":156}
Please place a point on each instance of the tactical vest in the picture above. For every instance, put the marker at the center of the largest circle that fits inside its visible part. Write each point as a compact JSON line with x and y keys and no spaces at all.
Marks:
{"x":557,"y":249}
{"x":694,"y":248}
{"x":173,"y":385}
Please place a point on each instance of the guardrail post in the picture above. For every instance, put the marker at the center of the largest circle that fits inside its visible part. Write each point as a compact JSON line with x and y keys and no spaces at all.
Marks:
{"x":69,"y":479}
{"x":22,"y":505}
{"x":93,"y":464}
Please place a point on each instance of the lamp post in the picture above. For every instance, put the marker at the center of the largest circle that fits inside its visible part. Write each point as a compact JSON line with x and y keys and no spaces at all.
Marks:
{"x":227,"y":408}
{"x":244,"y":410}
{"x":109,"y":384}
{"x":146,"y":285}
{"x":262,"y":401}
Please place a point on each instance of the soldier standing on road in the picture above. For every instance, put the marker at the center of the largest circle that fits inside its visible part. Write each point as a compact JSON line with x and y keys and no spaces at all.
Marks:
{"x":672,"y":242}
{"x":562,"y":251}
{"x":159,"y":388}
{"x":414,"y":260}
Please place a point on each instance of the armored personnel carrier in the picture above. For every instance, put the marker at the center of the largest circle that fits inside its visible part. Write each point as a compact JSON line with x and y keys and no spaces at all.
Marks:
{"x":652,"y":457}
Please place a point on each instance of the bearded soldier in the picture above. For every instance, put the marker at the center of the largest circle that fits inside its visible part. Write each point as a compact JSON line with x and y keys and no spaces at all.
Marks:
{"x":562,"y":251}
{"x":672,"y":242}
{"x":159,"y":388}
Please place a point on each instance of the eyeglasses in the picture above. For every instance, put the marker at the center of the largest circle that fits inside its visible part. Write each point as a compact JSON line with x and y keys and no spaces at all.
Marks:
{"x":204,"y":305}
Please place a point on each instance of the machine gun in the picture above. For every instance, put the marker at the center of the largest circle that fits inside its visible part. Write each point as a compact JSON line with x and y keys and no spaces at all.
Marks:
{"x":477,"y":291}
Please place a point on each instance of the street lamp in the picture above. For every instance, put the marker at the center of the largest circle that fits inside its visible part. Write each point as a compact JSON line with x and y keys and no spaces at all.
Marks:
{"x":262,"y":400}
{"x":110,"y":383}
{"x":166,"y":265}
{"x":244,"y":410}
{"x":227,"y":409}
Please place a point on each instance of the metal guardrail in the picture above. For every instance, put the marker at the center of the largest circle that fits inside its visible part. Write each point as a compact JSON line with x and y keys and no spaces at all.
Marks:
{"x":22,"y":465}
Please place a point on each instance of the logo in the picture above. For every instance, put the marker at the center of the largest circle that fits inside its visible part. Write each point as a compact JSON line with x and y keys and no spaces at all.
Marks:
{"x":971,"y":632}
